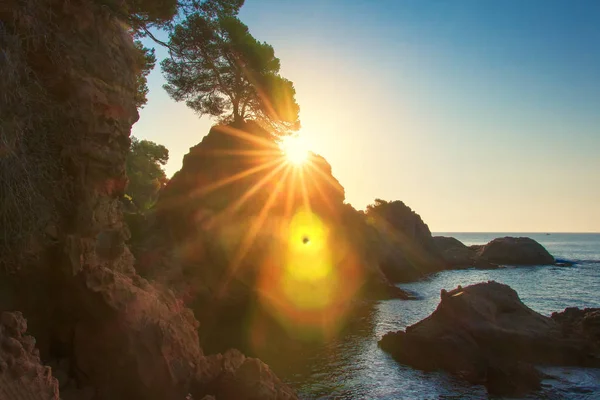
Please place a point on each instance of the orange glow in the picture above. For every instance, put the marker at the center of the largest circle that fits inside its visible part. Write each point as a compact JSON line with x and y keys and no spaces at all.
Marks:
{"x":296,"y":149}
{"x":278,"y":227}
{"x":309,"y":278}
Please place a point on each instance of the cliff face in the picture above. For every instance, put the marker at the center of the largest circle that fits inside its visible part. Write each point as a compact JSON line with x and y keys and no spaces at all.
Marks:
{"x":68,"y":102}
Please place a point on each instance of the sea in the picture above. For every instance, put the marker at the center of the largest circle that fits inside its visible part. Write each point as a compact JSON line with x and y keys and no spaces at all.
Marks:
{"x":351,"y":366}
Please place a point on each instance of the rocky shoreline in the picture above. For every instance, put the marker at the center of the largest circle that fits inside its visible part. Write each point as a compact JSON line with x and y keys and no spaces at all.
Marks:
{"x":119,"y":312}
{"x":484,"y":334}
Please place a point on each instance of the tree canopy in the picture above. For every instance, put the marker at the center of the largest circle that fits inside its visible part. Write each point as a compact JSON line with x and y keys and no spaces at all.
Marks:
{"x":219,"y":69}
{"x":144,"y":169}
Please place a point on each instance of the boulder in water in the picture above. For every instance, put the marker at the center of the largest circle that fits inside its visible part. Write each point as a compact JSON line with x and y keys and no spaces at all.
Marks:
{"x":457,"y":255}
{"x":515,"y":251}
{"x":485,"y":334}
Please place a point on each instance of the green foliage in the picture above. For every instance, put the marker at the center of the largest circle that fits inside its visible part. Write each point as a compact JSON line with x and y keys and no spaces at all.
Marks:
{"x":144,"y":169}
{"x":219,"y":69}
{"x":377,"y":206}
{"x":145,"y":62}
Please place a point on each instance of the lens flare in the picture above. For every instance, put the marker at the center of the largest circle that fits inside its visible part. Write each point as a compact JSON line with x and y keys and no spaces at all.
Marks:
{"x":310,"y":280}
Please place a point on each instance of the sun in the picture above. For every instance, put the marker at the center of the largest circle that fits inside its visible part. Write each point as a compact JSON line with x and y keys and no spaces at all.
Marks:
{"x":295,"y":149}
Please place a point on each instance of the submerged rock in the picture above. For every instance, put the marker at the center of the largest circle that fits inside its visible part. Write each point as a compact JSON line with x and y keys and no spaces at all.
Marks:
{"x":485,"y":334}
{"x":515,"y":251}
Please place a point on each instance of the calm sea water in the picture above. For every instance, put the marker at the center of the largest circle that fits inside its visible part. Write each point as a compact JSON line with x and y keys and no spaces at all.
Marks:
{"x":353,"y":367}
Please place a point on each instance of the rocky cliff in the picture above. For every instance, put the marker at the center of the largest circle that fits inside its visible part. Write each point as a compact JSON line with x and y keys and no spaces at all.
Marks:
{"x":68,"y":102}
{"x":243,"y":235}
{"x":406,"y":248}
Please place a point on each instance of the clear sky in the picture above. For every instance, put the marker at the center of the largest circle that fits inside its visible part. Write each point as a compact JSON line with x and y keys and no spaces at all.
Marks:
{"x":480,"y":115}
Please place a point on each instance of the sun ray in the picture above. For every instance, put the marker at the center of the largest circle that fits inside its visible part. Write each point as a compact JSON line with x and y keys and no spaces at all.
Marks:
{"x":336,"y":185}
{"x":240,"y":175}
{"x":321,"y":191}
{"x":291,"y":194}
{"x":246,"y":196}
{"x":305,"y":197}
{"x":250,"y":236}
{"x":228,"y":130}
{"x":249,"y":153}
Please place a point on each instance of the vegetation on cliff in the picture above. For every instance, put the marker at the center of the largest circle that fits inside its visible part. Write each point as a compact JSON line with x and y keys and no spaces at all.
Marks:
{"x":144,"y":169}
{"x":219,"y":69}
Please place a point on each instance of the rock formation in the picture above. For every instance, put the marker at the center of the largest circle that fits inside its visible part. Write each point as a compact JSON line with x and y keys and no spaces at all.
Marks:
{"x":21,"y":374}
{"x":584,"y":322}
{"x":456,"y":255}
{"x":500,"y":251}
{"x":453,"y":251}
{"x":515,"y":251}
{"x":406,"y":248}
{"x":237,"y":228}
{"x":69,"y":85}
{"x":485,"y":334}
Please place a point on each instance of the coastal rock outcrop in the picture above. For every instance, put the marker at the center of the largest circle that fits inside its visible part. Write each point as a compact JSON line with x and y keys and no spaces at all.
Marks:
{"x":233,"y":376}
{"x":515,"y":251}
{"x":584,"y":322}
{"x":406,"y":249}
{"x":21,"y":374}
{"x":237,"y":179}
{"x":485,"y":334}
{"x":453,"y":251}
{"x":456,"y":255}
{"x":240,"y":234}
{"x":500,"y":251}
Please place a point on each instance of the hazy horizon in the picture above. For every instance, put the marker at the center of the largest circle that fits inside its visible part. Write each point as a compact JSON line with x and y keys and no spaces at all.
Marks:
{"x":481,"y":117}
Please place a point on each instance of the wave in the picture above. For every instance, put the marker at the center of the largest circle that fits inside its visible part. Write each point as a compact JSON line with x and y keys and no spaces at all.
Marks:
{"x":576,"y":261}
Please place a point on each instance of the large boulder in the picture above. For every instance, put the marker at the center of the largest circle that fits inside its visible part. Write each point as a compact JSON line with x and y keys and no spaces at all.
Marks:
{"x":515,"y":251}
{"x":406,"y":248}
{"x":457,"y":255}
{"x":485,"y":334}
{"x":453,"y":251}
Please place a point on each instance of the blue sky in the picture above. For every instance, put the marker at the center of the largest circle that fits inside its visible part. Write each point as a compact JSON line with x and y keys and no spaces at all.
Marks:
{"x":480,"y":115}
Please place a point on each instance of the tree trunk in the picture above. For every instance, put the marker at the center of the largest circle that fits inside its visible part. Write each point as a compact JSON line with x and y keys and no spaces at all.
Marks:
{"x":237,"y":116}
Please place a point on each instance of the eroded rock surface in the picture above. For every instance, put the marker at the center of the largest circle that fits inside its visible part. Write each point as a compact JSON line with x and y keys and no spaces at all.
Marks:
{"x":21,"y":374}
{"x":584,"y":322}
{"x":485,"y":334}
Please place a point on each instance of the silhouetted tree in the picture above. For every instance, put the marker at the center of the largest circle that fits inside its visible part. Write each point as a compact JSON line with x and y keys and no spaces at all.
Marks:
{"x":145,"y":63}
{"x":219,"y":69}
{"x":144,"y":169}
